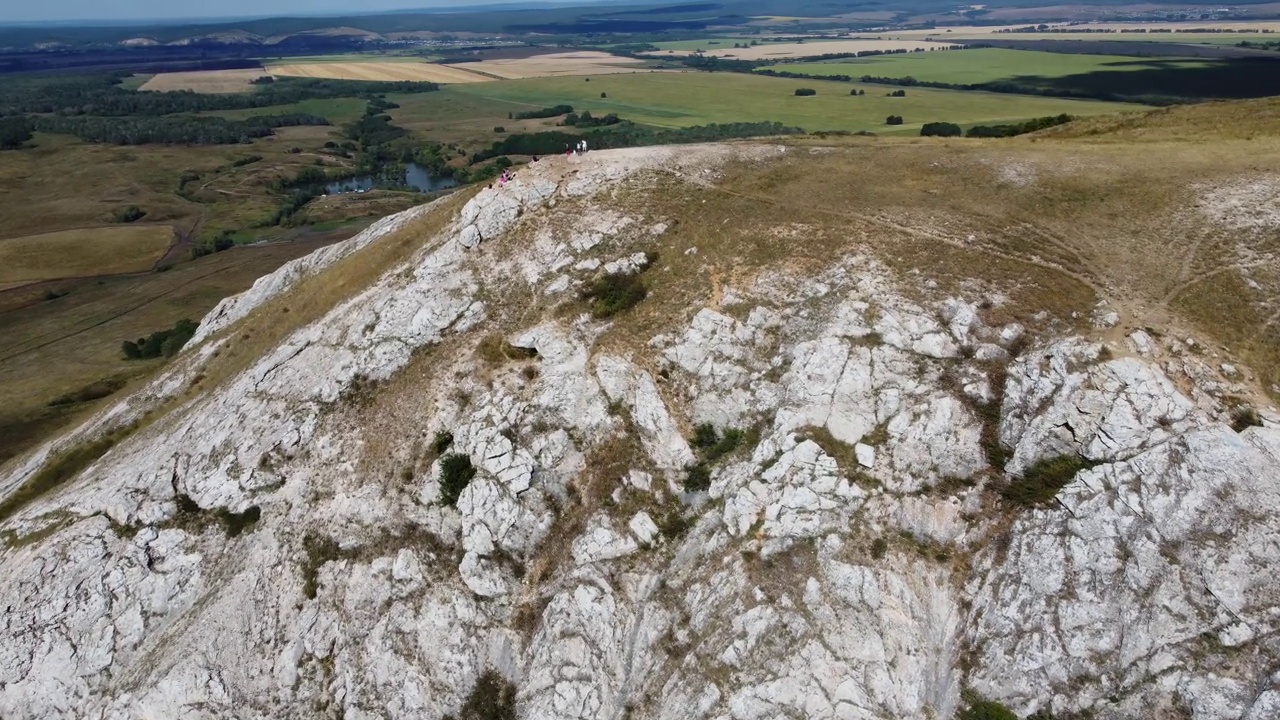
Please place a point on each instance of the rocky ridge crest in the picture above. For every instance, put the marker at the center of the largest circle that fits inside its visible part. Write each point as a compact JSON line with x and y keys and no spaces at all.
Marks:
{"x":275,"y":547}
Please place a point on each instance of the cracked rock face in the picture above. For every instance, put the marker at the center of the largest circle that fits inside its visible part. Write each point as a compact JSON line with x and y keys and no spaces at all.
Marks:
{"x":278,"y":547}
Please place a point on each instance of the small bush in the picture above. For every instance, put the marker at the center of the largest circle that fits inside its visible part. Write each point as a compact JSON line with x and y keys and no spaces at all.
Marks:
{"x":604,"y":95}
{"x":879,"y":547}
{"x":441,"y":442}
{"x":940,"y":129}
{"x":492,"y":698}
{"x":1040,"y":483}
{"x":499,"y":129}
{"x":705,"y":436}
{"x":806,"y":92}
{"x":980,"y":709}
{"x":320,"y":550}
{"x":614,"y":294}
{"x":128,"y":214}
{"x":893,"y":120}
{"x":1245,"y":417}
{"x":673,"y":524}
{"x":456,"y":472}
{"x":898,"y":93}
{"x":697,"y":478}
{"x":236,"y":523}
{"x":161,"y":342}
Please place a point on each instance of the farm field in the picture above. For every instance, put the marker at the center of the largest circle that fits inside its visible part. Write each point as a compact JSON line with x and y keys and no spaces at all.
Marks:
{"x":782,"y":51}
{"x":587,"y":62}
{"x":336,"y":110}
{"x":1176,"y":29}
{"x":715,"y":43}
{"x":1182,"y":38}
{"x":419,"y":71}
{"x":983,"y":65}
{"x":205,"y":81}
{"x":89,"y":251}
{"x":682,"y":99}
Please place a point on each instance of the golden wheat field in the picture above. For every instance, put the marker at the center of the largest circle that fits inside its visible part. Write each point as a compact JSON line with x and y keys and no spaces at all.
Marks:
{"x":84,"y":252}
{"x":205,"y":81}
{"x":782,"y":51}
{"x":420,"y":72}
{"x":556,"y":64}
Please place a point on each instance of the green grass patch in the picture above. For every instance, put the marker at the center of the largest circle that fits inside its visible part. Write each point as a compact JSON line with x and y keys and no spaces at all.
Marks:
{"x":711,"y":445}
{"x":338,"y":111}
{"x":1040,"y":483}
{"x":456,"y":473}
{"x":611,"y":295}
{"x":61,"y":468}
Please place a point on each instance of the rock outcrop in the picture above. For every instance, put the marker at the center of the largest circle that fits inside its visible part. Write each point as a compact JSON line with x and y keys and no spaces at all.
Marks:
{"x":277,"y":546}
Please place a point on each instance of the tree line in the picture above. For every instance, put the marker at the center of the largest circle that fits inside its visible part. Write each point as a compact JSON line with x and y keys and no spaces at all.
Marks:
{"x":103,"y":95}
{"x":948,"y":129}
{"x":181,"y":130}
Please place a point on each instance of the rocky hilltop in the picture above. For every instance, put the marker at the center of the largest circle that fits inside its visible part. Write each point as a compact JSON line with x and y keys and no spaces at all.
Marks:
{"x":621,"y":439}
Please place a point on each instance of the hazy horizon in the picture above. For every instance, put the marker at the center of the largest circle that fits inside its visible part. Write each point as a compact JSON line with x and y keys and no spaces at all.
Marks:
{"x":143,"y":11}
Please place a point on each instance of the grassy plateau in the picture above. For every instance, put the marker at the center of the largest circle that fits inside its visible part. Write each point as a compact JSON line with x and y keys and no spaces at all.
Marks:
{"x":684,"y":99}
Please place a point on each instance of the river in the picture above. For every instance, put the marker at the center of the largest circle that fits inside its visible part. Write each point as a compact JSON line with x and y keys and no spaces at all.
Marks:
{"x":415,"y":176}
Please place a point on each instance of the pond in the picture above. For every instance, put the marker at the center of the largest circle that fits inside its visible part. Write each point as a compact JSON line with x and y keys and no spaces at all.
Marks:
{"x":415,"y":176}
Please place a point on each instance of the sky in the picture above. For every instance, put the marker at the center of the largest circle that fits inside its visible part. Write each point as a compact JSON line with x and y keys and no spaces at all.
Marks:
{"x":14,"y":11}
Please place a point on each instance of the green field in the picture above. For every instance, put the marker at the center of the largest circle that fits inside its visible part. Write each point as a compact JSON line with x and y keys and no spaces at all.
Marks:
{"x":336,"y":110}
{"x":690,"y":98}
{"x":1177,"y":38}
{"x":983,"y":65}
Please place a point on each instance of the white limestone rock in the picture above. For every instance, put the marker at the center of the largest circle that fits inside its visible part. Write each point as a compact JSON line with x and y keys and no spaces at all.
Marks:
{"x":643,"y":527}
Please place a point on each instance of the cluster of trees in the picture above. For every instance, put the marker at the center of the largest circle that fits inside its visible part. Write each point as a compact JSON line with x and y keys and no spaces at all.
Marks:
{"x":14,"y":132}
{"x":225,"y":240}
{"x":893,"y":120}
{"x":1040,"y":123}
{"x":128,"y":214}
{"x":373,"y":128}
{"x":940,"y":129}
{"x":586,"y":120}
{"x":103,"y":95}
{"x":856,"y":91}
{"x":550,"y":112}
{"x":947,"y":129}
{"x":160,"y":343}
{"x":898,"y":93}
{"x":181,"y":130}
{"x":806,"y":92}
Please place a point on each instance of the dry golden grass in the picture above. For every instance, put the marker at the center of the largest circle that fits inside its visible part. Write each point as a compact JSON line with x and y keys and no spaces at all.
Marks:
{"x":555,"y":64}
{"x":782,"y":51}
{"x":422,"y":72}
{"x":56,"y":348}
{"x":89,"y":251}
{"x":205,"y":81}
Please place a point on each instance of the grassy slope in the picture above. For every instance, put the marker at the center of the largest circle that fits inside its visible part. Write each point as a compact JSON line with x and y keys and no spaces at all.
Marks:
{"x":57,"y":347}
{"x":691,"y":98}
{"x":87,"y":251}
{"x":980,"y":65}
